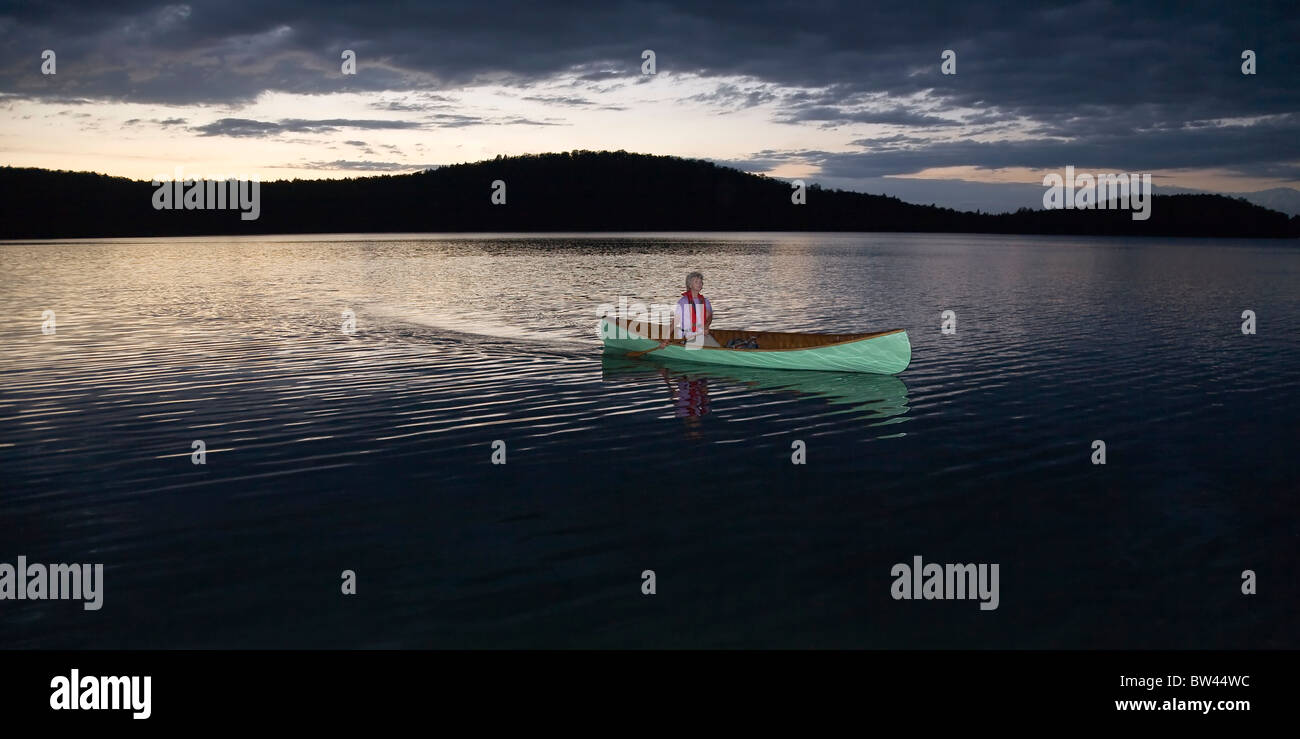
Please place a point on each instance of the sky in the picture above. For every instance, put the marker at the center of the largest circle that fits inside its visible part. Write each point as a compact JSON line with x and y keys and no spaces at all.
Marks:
{"x":849,"y":95}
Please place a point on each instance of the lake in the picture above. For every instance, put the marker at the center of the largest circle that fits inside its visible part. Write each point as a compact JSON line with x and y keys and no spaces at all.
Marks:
{"x":371,"y":449}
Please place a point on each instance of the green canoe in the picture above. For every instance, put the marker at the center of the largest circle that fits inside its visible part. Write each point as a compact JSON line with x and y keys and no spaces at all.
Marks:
{"x":883,"y":352}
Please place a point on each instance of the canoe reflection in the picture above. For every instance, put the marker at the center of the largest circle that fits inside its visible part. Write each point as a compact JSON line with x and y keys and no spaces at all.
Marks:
{"x":879,"y":398}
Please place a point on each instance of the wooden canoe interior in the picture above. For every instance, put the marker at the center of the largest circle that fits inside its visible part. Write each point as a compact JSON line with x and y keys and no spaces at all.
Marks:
{"x":767,"y":340}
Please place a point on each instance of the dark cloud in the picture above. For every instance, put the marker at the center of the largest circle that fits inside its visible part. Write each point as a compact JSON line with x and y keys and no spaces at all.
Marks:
{"x":457,"y":120}
{"x":248,"y":128}
{"x":897,"y":141}
{"x":894,"y":116}
{"x":157,"y":121}
{"x":570,"y":101}
{"x":424,"y":103}
{"x":1249,"y":150}
{"x":1008,"y":54}
{"x":1242,"y":149}
{"x":362,"y":166}
{"x":600,"y":75}
{"x":770,"y":159}
{"x":737,"y":96}
{"x":559,"y":100}
{"x":521,"y":121}
{"x":244,"y":127}
{"x":1124,"y":84}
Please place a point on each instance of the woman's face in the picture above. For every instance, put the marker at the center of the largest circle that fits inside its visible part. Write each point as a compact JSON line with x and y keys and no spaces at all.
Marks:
{"x":697,"y":284}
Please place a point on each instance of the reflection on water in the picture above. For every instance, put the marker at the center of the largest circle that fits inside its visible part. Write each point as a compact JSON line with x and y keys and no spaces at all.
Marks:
{"x":877,"y":399}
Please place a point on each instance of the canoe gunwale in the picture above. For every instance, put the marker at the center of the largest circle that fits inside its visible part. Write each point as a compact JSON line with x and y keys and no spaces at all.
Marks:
{"x":623,"y":324}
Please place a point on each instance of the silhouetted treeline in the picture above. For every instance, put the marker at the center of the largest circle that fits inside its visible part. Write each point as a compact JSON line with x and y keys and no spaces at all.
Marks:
{"x":576,"y":191}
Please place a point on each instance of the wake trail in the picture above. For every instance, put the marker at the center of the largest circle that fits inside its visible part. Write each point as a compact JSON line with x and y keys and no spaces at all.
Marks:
{"x":475,"y":327}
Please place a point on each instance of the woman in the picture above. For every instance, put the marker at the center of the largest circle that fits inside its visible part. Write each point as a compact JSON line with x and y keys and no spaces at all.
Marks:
{"x":692,"y":316}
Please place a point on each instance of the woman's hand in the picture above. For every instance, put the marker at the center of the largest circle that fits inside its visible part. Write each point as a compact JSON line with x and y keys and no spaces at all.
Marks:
{"x":663,"y":343}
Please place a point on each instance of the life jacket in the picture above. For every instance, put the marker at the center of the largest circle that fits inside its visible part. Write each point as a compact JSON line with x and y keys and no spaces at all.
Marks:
{"x":690,"y":321}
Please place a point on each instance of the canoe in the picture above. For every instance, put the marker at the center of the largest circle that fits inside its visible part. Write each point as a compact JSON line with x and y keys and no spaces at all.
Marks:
{"x":882,"y":352}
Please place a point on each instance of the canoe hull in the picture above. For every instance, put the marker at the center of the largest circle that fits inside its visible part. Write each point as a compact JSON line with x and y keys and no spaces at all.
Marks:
{"x":884,"y":354}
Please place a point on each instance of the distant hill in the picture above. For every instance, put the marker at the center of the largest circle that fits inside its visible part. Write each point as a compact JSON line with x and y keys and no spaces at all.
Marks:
{"x":573,"y":191}
{"x":1281,"y":199}
{"x":1007,"y":197}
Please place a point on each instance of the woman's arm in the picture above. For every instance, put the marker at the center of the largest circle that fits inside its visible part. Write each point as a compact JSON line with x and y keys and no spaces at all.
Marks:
{"x":672,"y":329}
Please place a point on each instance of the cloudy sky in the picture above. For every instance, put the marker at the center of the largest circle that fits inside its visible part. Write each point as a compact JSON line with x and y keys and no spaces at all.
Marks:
{"x":847,"y":94}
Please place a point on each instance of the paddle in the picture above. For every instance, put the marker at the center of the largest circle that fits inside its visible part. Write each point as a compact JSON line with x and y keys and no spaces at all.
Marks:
{"x":657,"y":348}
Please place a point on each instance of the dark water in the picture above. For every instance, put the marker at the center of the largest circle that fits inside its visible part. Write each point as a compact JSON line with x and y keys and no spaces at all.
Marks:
{"x":371,"y":451}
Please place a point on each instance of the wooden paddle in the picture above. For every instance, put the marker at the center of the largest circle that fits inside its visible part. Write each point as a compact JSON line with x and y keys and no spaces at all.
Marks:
{"x":657,"y":348}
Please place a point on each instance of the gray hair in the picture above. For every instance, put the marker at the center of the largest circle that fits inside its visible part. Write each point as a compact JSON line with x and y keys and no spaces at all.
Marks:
{"x":692,"y":276}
